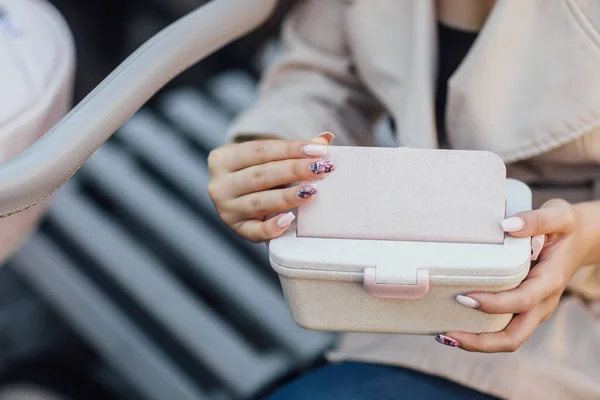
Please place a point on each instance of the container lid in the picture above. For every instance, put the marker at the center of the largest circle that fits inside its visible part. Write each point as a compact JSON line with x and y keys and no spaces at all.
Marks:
{"x":399,"y":262}
{"x":408,"y":194}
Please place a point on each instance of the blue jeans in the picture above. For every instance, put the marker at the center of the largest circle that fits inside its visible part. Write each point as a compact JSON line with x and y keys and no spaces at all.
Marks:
{"x":360,"y":381}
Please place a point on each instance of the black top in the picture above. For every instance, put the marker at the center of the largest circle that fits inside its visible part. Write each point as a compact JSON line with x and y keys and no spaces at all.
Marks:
{"x":453,"y":45}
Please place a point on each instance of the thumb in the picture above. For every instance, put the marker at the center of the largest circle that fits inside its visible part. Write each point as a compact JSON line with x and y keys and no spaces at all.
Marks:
{"x":554,"y":216}
{"x":324,"y":138}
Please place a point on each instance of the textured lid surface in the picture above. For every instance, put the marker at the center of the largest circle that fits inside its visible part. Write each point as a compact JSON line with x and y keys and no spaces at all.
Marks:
{"x":31,"y":40}
{"x":410,"y":195}
{"x":398,"y":261}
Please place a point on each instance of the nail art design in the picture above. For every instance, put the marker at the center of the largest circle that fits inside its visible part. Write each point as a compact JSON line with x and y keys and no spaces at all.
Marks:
{"x":448,"y":341}
{"x":307,"y":191}
{"x":322,"y":167}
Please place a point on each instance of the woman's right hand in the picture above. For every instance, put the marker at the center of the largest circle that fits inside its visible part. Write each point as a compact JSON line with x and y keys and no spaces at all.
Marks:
{"x":250,"y":182}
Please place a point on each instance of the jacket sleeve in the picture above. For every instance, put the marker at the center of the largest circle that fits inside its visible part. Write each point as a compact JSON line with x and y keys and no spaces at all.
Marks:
{"x":313,"y":87}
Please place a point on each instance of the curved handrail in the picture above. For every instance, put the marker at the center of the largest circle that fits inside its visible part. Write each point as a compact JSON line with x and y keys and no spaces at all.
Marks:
{"x":41,"y":169}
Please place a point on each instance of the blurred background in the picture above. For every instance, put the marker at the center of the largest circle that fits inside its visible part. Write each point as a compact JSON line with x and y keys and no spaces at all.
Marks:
{"x":133,"y":288}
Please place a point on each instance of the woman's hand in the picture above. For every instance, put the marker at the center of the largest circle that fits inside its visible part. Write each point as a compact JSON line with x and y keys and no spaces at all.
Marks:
{"x":556,"y":238}
{"x":248,"y":182}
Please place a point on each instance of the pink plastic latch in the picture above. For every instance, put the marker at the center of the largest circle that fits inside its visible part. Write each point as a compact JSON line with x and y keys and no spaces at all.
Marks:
{"x":396,"y":291}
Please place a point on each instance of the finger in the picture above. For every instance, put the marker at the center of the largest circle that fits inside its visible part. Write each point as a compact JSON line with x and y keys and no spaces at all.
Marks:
{"x":508,"y":340}
{"x":324,"y":138}
{"x":260,"y":204}
{"x":274,"y":174}
{"x":553,"y":304}
{"x":555,"y":216}
{"x":238,"y":156}
{"x":545,"y":280}
{"x":259,"y":231}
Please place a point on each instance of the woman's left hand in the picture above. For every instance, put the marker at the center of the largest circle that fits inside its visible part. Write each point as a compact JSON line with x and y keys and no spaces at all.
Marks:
{"x":557,"y":247}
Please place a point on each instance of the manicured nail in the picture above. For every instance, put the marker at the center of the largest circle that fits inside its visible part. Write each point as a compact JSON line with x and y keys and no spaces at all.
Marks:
{"x":330,"y":136}
{"x":285,"y":220}
{"x":537,"y":244}
{"x":322,"y":167}
{"x":512,"y":224}
{"x":314,"y":150}
{"x":448,"y":341}
{"x":467,"y":301}
{"x":307,"y":191}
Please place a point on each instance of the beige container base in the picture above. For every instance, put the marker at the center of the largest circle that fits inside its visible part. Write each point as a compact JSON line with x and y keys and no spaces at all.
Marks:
{"x":333,"y":305}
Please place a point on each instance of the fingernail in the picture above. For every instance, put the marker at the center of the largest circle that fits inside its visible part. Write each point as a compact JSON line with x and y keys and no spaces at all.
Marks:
{"x":537,"y":244}
{"x":329,"y":135}
{"x":512,"y":224}
{"x":467,"y":301}
{"x":322,"y":167}
{"x":314,"y":150}
{"x":307,"y":190}
{"x":448,"y":341}
{"x":285,"y":220}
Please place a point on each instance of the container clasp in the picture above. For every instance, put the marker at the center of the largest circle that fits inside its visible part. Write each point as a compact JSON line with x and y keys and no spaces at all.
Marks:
{"x":397,"y":291}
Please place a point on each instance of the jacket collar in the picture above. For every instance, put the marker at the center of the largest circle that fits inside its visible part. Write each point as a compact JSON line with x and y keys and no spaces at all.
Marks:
{"x":529,"y":84}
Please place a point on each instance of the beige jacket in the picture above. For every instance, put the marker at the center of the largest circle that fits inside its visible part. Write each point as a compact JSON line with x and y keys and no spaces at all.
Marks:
{"x":529,"y":90}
